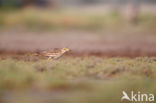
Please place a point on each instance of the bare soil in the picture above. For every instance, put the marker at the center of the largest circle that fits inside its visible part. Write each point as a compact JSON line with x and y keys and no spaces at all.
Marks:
{"x":80,"y":43}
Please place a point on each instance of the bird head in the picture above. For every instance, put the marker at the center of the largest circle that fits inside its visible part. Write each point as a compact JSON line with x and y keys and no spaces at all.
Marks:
{"x":65,"y":50}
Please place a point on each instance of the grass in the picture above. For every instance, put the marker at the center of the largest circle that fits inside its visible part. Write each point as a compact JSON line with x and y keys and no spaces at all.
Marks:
{"x":32,"y":18}
{"x":71,"y":20}
{"x":75,"y":80}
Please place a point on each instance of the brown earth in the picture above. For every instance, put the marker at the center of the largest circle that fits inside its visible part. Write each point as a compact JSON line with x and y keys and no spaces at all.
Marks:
{"x":80,"y":43}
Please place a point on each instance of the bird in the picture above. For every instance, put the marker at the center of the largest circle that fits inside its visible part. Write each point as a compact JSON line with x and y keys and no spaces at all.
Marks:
{"x":52,"y":53}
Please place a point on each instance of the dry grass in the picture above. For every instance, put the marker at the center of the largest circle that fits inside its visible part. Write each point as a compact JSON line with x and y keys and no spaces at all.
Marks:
{"x":73,"y":20}
{"x":78,"y":80}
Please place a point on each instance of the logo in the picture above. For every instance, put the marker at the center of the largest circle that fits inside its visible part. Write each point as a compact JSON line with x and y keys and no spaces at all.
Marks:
{"x":140,"y":97}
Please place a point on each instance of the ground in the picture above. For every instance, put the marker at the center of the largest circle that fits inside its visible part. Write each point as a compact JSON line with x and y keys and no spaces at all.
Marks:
{"x":108,"y":55}
{"x":78,"y":79}
{"x":81,"y":43}
{"x":98,"y":68}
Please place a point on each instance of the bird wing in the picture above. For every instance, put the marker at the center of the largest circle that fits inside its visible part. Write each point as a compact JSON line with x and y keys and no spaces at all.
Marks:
{"x":51,"y":52}
{"x":56,"y":50}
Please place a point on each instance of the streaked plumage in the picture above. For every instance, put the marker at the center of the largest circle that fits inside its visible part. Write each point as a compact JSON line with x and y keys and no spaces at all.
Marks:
{"x":53,"y":53}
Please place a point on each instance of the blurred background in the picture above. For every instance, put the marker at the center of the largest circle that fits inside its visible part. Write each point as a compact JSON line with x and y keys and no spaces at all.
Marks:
{"x":95,"y":31}
{"x":103,"y":27}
